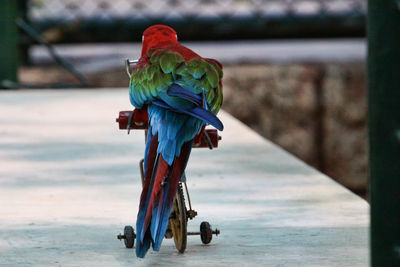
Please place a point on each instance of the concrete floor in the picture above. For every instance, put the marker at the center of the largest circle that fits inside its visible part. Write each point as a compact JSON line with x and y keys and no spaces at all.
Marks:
{"x":69,"y":182}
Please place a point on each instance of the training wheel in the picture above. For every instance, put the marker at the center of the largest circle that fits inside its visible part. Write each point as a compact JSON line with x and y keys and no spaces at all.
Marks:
{"x":205,"y":232}
{"x":130,"y":236}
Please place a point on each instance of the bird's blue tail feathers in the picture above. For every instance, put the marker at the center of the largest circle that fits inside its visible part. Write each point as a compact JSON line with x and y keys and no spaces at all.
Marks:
{"x":159,"y":190}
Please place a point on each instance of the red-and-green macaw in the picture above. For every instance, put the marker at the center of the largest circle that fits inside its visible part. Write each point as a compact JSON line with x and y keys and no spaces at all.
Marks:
{"x":182,"y":92}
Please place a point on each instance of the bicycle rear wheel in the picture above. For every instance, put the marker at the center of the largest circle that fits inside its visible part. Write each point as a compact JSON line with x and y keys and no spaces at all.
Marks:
{"x":178,"y":221}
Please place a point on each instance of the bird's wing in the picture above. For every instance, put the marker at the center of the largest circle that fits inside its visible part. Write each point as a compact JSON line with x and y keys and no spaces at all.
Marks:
{"x":180,"y":84}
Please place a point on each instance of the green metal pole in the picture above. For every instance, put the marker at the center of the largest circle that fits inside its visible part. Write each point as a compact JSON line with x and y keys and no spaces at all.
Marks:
{"x":383,"y":32}
{"x":23,"y":40}
{"x":8,"y":41}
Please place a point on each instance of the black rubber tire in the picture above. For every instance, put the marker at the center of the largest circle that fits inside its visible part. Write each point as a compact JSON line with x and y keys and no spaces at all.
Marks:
{"x":179,"y":221}
{"x":205,"y":232}
{"x":129,"y":236}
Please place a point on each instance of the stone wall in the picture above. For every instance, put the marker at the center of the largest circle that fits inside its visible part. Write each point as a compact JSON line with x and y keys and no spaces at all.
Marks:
{"x":315,"y":111}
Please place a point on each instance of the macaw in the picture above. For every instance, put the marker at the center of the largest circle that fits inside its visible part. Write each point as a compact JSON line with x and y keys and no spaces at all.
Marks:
{"x":182,"y":93}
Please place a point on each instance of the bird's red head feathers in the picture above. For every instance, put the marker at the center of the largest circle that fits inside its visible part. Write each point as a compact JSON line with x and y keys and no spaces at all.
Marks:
{"x":156,"y":35}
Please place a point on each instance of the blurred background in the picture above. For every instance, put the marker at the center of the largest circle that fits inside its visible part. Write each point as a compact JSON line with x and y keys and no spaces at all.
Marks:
{"x":294,"y":69}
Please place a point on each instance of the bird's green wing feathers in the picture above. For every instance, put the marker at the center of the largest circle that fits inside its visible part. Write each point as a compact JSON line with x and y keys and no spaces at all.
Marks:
{"x":166,"y":67}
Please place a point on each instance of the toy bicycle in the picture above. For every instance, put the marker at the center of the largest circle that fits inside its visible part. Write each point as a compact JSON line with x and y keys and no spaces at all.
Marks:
{"x":177,"y":225}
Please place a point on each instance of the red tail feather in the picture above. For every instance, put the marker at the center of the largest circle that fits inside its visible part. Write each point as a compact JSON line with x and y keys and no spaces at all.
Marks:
{"x":160,"y":175}
{"x":179,"y":167}
{"x":151,"y":157}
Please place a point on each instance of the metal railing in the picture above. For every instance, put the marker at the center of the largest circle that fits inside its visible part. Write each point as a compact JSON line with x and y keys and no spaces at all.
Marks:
{"x":72,"y":9}
{"x":124,"y":20}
